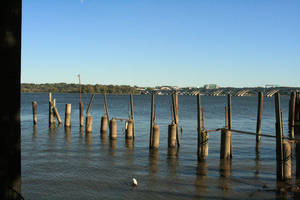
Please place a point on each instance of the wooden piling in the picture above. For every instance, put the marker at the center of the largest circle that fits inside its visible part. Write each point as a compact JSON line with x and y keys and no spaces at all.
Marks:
{"x":226,"y":122}
{"x":132,"y":114}
{"x":68,"y":115}
{"x":34,"y":106}
{"x":278,"y":126}
{"x":56,"y":113}
{"x":203,"y":146}
{"x":287,"y":160}
{"x":175,"y":118}
{"x":229,"y":110}
{"x":226,"y":151}
{"x":172,"y":135}
{"x":259,"y":115}
{"x":156,"y":134}
{"x":199,"y":128}
{"x":113,"y":129}
{"x":129,"y":130}
{"x":292,"y":105}
{"x":88,"y":124}
{"x":103,"y":124}
{"x":106,"y":110}
{"x":81,"y":114}
{"x":151,"y":122}
{"x":51,"y":115}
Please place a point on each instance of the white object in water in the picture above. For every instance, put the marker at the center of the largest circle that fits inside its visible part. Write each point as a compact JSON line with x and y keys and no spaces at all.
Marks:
{"x":134,"y":182}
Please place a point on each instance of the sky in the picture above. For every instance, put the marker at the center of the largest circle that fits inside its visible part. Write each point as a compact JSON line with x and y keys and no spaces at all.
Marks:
{"x":185,"y":43}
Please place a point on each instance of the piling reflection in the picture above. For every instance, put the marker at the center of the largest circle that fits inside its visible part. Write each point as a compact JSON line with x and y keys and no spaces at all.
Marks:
{"x":112,"y":147}
{"x":225,"y":174}
{"x":129,"y":144}
{"x":257,"y":160}
{"x":67,"y":134}
{"x":103,"y":137}
{"x":88,"y":140}
{"x":52,"y":134}
{"x":153,"y":162}
{"x":172,"y":159}
{"x":34,"y":131}
{"x":201,"y":178}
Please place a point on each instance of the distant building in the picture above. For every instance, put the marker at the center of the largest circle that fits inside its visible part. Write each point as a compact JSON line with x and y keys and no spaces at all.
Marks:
{"x":211,"y":86}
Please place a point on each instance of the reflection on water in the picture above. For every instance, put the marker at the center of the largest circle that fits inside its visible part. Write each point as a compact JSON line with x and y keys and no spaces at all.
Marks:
{"x":224,"y":179}
{"x":103,"y":137}
{"x":88,"y":139}
{"x":129,"y":144}
{"x":172,"y":160}
{"x":153,"y":162}
{"x":34,"y":130}
{"x":67,"y":134}
{"x":257,"y":159}
{"x":112,"y":147}
{"x":201,"y":178}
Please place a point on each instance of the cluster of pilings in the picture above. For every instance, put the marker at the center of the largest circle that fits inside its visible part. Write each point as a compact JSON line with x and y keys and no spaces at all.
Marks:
{"x":284,"y":144}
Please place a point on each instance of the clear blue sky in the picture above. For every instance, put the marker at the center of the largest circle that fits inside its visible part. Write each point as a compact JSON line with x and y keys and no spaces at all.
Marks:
{"x":162,"y":42}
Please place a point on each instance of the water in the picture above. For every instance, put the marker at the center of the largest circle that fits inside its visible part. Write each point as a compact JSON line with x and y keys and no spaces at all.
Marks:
{"x":68,"y":164}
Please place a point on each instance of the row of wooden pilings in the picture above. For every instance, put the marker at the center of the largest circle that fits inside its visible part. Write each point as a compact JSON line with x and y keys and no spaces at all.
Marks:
{"x":284,"y":144}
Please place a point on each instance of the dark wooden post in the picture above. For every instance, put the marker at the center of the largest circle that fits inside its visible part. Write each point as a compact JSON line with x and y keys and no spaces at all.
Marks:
{"x":175,"y":118}
{"x":132,"y":114}
{"x":51,"y":114}
{"x":259,"y":114}
{"x":229,"y":110}
{"x":34,"y":105}
{"x":279,"y":154}
{"x":81,"y":114}
{"x":106,"y":110}
{"x":151,"y":121}
{"x":199,"y":128}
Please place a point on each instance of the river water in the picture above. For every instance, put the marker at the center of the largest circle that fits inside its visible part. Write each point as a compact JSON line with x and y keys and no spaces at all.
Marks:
{"x":68,"y":164}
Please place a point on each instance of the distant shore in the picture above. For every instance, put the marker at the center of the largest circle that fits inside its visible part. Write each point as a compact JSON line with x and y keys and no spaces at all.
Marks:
{"x":159,"y":90}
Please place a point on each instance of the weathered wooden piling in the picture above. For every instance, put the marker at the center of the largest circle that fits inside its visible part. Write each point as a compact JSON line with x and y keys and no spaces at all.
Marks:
{"x":172,"y":135}
{"x":51,"y":115}
{"x":278,"y":127}
{"x":202,"y":144}
{"x":229,"y":110}
{"x":68,"y":115}
{"x":226,"y":151}
{"x":81,"y":114}
{"x":103,"y":124}
{"x":57,"y":115}
{"x":113,"y":129}
{"x":175,"y":113}
{"x":287,"y":160}
{"x":129,"y":130}
{"x":259,"y":115}
{"x":80,"y":104}
{"x":88,"y":124}
{"x":34,"y":112}
{"x":132,"y":115}
{"x":151,"y":122}
{"x":156,"y":134}
{"x":203,"y":147}
{"x":106,"y":110}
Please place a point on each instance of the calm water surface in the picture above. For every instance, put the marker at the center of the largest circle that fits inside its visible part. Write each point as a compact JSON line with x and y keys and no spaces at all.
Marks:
{"x":61,"y":163}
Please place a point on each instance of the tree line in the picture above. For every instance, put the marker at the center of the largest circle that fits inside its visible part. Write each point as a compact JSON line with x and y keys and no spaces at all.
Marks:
{"x":74,"y":88}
